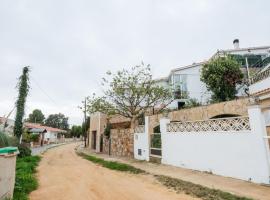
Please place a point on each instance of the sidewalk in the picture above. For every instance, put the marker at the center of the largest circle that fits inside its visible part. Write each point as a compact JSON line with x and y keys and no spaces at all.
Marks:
{"x":234,"y":186}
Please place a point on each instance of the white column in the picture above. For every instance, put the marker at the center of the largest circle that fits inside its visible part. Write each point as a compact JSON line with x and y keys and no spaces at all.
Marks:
{"x":258,"y":127}
{"x":147,"y":139}
{"x":163,"y":125}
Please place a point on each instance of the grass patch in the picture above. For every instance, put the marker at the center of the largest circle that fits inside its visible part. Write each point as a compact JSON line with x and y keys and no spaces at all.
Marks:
{"x":25,"y":181}
{"x":112,"y":164}
{"x":197,"y":190}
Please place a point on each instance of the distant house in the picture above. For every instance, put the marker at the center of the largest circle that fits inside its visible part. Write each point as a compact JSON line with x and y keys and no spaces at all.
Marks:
{"x":46,"y":134}
{"x":186,"y":83}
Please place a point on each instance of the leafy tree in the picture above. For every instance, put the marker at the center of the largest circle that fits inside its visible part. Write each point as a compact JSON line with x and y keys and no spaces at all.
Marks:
{"x":130,"y":93}
{"x":36,"y":117}
{"x":23,"y":87}
{"x":221,"y":75}
{"x":57,"y":121}
{"x":76,"y":131}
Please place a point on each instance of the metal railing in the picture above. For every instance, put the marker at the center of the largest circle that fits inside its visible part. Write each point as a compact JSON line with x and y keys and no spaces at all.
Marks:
{"x":260,"y":76}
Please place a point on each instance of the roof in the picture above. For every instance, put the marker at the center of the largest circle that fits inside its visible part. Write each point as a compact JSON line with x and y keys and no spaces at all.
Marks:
{"x":39,"y":126}
{"x":179,"y":69}
{"x":37,"y":130}
{"x":188,"y":66}
{"x":245,"y":49}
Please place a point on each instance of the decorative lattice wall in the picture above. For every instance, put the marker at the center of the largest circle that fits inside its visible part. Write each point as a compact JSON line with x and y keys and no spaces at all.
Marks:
{"x":222,"y":124}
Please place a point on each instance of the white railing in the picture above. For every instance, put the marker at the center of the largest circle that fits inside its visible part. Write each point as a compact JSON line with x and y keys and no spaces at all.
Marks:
{"x":139,"y":129}
{"x":221,"y":124}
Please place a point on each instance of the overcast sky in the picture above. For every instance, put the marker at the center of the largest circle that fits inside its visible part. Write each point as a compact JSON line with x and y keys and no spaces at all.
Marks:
{"x":71,"y":44}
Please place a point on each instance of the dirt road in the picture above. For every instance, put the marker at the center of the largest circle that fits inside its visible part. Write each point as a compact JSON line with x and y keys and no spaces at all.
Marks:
{"x":64,"y":175}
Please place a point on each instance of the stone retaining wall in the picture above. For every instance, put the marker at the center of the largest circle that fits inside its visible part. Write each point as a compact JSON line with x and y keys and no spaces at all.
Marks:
{"x":121,"y":142}
{"x":235,"y":107}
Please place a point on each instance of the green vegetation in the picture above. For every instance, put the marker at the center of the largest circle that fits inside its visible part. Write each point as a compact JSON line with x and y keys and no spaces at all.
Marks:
{"x":221,"y":75}
{"x":196,"y":190}
{"x":76,"y":131}
{"x":36,"y":117}
{"x":24,"y":151}
{"x":6,"y":140}
{"x":156,"y":140}
{"x":57,"y":121}
{"x":23,"y":87}
{"x":25,"y":177}
{"x":112,"y":164}
{"x":130,"y":93}
{"x":107,"y":130}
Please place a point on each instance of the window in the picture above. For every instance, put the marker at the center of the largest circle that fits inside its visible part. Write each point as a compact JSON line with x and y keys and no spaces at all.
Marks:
{"x":139,"y":152}
{"x":180,"y":81}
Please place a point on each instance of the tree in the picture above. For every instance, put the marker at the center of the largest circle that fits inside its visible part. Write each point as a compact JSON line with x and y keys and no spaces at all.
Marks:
{"x":76,"y":131}
{"x":130,"y":93}
{"x":36,"y":117}
{"x":57,"y":121}
{"x":23,"y":88}
{"x":221,"y":75}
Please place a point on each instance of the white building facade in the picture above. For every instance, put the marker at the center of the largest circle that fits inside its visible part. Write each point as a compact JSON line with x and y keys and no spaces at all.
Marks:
{"x":186,"y":79}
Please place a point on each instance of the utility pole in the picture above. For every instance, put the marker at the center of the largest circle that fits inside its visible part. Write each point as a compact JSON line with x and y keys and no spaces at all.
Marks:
{"x":85,"y":131}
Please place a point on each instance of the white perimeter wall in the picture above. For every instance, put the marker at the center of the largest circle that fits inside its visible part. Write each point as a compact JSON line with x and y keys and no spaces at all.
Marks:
{"x":52,"y":136}
{"x":243,"y":155}
{"x":141,"y":141}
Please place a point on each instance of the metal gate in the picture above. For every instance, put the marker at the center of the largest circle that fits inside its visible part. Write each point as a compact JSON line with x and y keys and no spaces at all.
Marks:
{"x":155,"y":147}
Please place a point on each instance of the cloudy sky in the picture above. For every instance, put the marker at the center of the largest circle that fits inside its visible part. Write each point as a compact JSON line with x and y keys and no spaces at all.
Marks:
{"x":70,"y":44}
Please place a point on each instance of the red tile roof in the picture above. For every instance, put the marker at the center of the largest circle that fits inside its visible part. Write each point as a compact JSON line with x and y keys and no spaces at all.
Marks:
{"x":51,"y":129}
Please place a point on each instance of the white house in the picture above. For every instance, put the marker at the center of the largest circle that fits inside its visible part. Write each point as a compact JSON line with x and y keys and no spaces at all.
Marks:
{"x":49,"y":134}
{"x":187,"y":78}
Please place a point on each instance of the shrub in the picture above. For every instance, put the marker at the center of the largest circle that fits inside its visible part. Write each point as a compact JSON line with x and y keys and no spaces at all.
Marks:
{"x":6,"y":140}
{"x":24,"y":151}
{"x":3,"y":140}
{"x":221,"y":75}
{"x":192,"y":103}
{"x":34,"y":137}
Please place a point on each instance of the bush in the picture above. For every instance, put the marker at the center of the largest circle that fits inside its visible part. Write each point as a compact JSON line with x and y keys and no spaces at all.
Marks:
{"x":34,"y":137}
{"x":221,"y":75}
{"x":24,"y":151}
{"x":6,"y":140}
{"x":3,"y":140}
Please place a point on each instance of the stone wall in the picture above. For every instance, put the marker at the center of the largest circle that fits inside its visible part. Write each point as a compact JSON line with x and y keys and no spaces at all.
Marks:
{"x":121,"y":142}
{"x":235,"y":107}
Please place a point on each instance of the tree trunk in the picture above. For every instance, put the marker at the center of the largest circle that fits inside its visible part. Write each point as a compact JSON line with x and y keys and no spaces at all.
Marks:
{"x":133,"y":123}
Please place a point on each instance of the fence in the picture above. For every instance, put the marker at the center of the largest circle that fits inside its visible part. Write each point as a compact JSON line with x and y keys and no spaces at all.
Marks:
{"x":233,"y":147}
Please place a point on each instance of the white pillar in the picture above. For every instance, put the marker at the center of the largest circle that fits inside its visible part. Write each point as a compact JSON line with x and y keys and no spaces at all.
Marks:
{"x":258,"y":127}
{"x":163,"y":125}
{"x":147,"y":139}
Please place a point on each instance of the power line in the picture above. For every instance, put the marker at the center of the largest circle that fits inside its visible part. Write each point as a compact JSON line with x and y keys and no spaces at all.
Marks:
{"x":45,"y":93}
